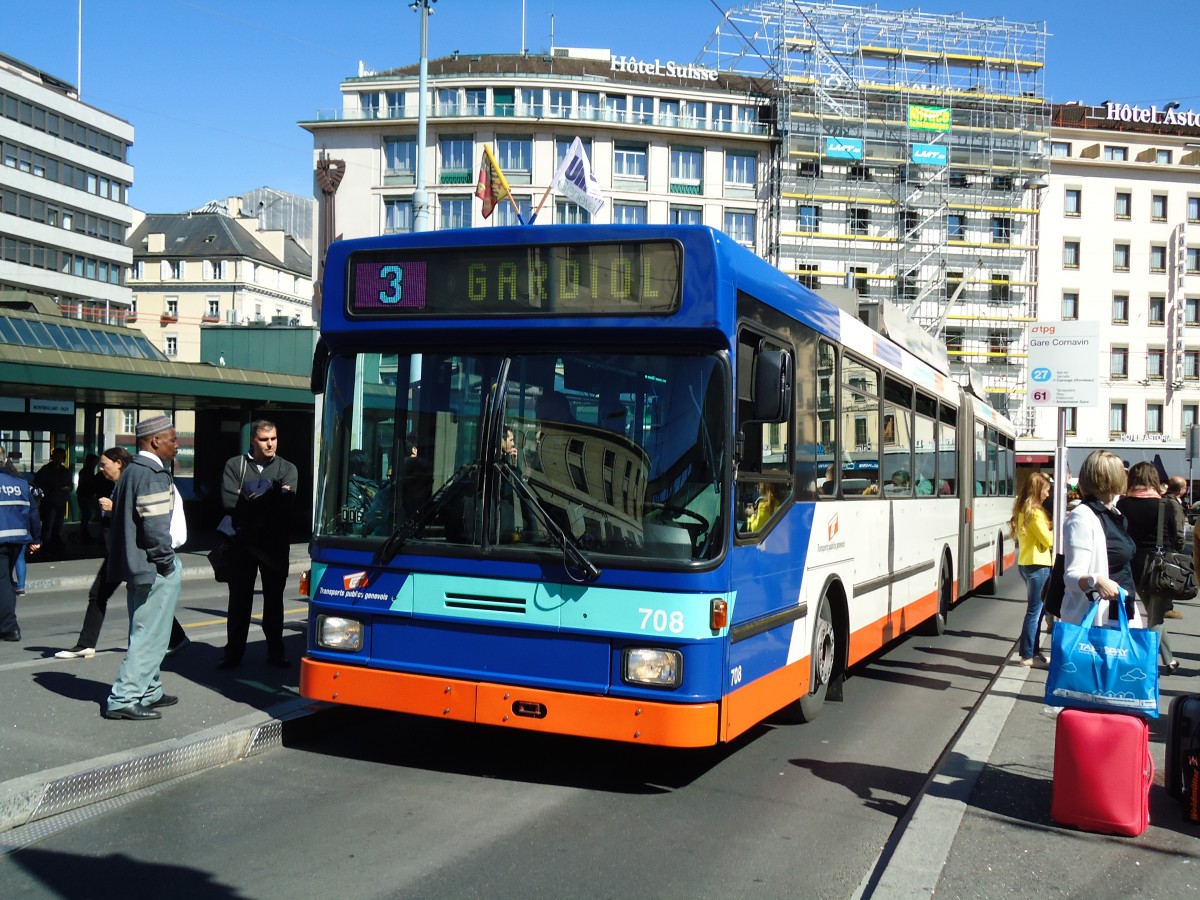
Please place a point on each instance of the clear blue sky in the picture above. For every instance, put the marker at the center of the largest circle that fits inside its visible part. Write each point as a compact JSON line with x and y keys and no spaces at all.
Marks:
{"x":214,"y":88}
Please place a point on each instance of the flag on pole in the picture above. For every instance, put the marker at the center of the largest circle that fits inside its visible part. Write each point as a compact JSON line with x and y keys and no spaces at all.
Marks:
{"x":575,"y":181}
{"x":492,"y":187}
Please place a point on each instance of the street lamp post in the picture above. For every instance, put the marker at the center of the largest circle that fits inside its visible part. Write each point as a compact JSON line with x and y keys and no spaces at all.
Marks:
{"x":420,"y":198}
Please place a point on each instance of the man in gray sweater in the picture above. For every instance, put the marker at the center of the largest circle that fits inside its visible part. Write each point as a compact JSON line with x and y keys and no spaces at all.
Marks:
{"x":142,"y":556}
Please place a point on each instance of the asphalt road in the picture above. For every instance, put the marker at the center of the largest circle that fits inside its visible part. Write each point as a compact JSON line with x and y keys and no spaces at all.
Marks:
{"x":392,"y":806}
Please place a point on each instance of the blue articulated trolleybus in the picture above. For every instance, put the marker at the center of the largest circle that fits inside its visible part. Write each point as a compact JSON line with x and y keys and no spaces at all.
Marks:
{"x":626,"y":482}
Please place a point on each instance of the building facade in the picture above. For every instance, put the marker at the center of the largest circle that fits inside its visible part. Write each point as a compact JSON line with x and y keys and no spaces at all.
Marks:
{"x":667,"y":142}
{"x":64,"y":190}
{"x":1120,"y":247}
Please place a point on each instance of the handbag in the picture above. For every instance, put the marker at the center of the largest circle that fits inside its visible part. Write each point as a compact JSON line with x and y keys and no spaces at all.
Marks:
{"x":1055,"y":587}
{"x":1168,"y":573}
{"x":221,"y":560}
{"x":1098,"y":667}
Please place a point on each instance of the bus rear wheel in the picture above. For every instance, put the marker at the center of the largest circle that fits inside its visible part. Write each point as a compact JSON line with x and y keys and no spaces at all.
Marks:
{"x":824,"y":668}
{"x":935,"y":625}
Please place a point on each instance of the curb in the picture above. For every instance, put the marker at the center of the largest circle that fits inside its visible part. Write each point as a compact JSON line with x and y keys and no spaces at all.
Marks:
{"x":191,"y":570}
{"x":44,"y":794}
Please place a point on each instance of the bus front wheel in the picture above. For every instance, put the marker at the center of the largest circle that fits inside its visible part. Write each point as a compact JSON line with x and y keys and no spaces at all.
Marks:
{"x":824,"y":668}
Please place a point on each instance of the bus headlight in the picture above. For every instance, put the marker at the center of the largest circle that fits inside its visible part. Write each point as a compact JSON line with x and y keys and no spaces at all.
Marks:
{"x":652,"y":667}
{"x":337,"y":633}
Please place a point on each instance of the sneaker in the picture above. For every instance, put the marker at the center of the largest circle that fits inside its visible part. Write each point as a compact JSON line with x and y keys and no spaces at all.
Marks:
{"x":76,"y":652}
{"x":20,"y":592}
{"x":1172,"y":614}
{"x":1051,"y":711}
{"x":1026,"y":661}
{"x":1040,"y":662}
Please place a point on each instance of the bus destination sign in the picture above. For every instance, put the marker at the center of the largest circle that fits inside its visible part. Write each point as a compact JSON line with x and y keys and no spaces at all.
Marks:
{"x":628,"y":278}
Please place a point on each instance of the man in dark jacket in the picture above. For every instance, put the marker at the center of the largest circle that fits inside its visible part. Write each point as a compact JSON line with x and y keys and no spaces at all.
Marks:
{"x":55,"y":482}
{"x":19,"y":524}
{"x":141,"y":554}
{"x":259,"y":493}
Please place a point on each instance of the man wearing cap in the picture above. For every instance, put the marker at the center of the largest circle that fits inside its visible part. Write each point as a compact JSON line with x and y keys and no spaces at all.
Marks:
{"x":142,"y":555}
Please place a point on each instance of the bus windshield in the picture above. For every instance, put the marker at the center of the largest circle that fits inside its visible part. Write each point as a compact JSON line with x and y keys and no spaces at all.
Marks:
{"x":621,"y":453}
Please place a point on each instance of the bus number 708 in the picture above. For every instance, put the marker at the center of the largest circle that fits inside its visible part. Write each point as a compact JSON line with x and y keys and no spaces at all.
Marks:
{"x":660,"y":620}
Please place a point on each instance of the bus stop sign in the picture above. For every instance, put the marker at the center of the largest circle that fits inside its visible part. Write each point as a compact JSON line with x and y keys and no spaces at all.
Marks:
{"x":1063,"y":363}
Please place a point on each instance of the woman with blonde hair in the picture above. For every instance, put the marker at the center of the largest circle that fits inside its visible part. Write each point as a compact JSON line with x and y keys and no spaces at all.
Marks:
{"x":1035,"y":545}
{"x":1097,"y":548}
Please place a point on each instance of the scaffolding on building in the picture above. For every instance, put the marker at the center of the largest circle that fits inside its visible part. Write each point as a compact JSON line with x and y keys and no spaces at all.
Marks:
{"x":909,"y":166}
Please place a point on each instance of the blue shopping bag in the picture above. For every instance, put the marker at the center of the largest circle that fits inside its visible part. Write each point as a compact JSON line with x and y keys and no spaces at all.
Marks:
{"x":1104,"y":667}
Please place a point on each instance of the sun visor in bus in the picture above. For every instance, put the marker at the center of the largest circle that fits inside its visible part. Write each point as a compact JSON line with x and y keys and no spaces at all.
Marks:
{"x":320,"y":367}
{"x":896,"y":325}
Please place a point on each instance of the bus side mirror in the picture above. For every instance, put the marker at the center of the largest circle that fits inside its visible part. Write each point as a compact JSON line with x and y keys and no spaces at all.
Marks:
{"x":320,"y":367}
{"x":773,"y":386}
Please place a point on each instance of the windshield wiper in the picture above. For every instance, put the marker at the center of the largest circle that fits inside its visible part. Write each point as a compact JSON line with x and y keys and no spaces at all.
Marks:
{"x":572,"y":552}
{"x":413,"y":523}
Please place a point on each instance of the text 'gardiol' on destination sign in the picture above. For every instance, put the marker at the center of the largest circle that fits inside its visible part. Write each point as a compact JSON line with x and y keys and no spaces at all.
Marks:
{"x":1064,"y":363}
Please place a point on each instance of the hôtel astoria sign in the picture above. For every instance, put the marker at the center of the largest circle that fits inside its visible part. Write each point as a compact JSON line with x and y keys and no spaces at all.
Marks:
{"x":1170,"y":114}
{"x":670,"y":68}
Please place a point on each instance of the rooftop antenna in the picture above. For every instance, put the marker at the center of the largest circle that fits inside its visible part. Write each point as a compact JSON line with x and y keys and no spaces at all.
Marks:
{"x":524,"y":49}
{"x":551,"y":34}
{"x":79,"y":55}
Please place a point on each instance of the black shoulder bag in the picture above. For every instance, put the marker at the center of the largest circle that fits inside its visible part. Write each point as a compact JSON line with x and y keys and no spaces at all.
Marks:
{"x":1168,"y":573}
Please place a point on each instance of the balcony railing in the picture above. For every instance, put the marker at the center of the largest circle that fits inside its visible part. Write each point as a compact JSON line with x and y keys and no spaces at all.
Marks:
{"x":538,"y":111}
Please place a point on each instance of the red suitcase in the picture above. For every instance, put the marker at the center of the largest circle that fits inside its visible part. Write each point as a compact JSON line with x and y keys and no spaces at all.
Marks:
{"x":1102,"y":772}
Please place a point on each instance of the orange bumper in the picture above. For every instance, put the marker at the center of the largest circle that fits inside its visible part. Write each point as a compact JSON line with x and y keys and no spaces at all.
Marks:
{"x":508,"y":706}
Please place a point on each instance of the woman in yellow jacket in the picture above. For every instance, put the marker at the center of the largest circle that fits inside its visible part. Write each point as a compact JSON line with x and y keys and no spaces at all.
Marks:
{"x":1035,"y":545}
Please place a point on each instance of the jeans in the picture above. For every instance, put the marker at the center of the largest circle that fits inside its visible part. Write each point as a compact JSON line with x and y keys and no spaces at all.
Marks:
{"x":151,"y":608}
{"x":1035,"y":577}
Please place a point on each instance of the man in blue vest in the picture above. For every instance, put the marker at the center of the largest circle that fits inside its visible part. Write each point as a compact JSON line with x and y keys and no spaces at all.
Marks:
{"x":19,"y":525}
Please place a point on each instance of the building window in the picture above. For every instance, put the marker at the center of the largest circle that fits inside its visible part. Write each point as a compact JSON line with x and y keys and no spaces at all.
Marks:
{"x":507,"y":215}
{"x":1117,"y":154}
{"x":643,"y":110}
{"x":687,"y":170}
{"x":213,"y":308}
{"x":562,"y":146}
{"x":809,"y":218}
{"x":629,"y":161}
{"x":456,"y":212}
{"x":686,"y":215}
{"x":860,"y":220}
{"x":629,"y":214}
{"x":171,"y":344}
{"x":1191,"y":416}
{"x":568,"y":213}
{"x":1116,"y":418}
{"x":1158,"y":258}
{"x":722,"y":117}
{"x":1060,"y":148}
{"x":128,"y":421}
{"x":741,"y":169}
{"x":1070,"y":254}
{"x":476,"y":103}
{"x":1191,"y":365}
{"x":589,"y":106}
{"x":178,"y":269}
{"x":457,"y":159}
{"x":1158,"y":310}
{"x":1192,"y":261}
{"x":514,"y":155}
{"x":1071,"y":418}
{"x":1154,"y":418}
{"x":397,"y":215}
{"x":369,"y":104}
{"x":1120,"y":309}
{"x":615,"y":108}
{"x":1162,"y":157}
{"x":999,"y":288}
{"x":860,"y":274}
{"x":1070,"y":305}
{"x":956,"y":226}
{"x":399,"y":157}
{"x":1120,"y":257}
{"x":1191,"y":310}
{"x":1193,"y":209}
{"x":1154,"y":363}
{"x":171,"y":308}
{"x":560,"y":104}
{"x":1072,"y":202}
{"x":395,"y":104}
{"x":739,"y":225}
{"x":954,"y":340}
{"x":1122,"y":205}
{"x":694,"y":114}
{"x":1118,"y":362}
{"x":807,"y":276}
{"x":1158,"y":207}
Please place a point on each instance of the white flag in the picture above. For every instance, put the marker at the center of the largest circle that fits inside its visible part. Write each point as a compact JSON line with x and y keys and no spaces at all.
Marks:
{"x":575,"y":181}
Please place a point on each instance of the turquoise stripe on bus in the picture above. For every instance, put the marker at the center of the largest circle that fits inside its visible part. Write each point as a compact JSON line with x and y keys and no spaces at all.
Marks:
{"x":676,"y":616}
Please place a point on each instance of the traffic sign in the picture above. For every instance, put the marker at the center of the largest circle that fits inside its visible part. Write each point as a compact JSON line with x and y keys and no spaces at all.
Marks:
{"x":1063,"y":363}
